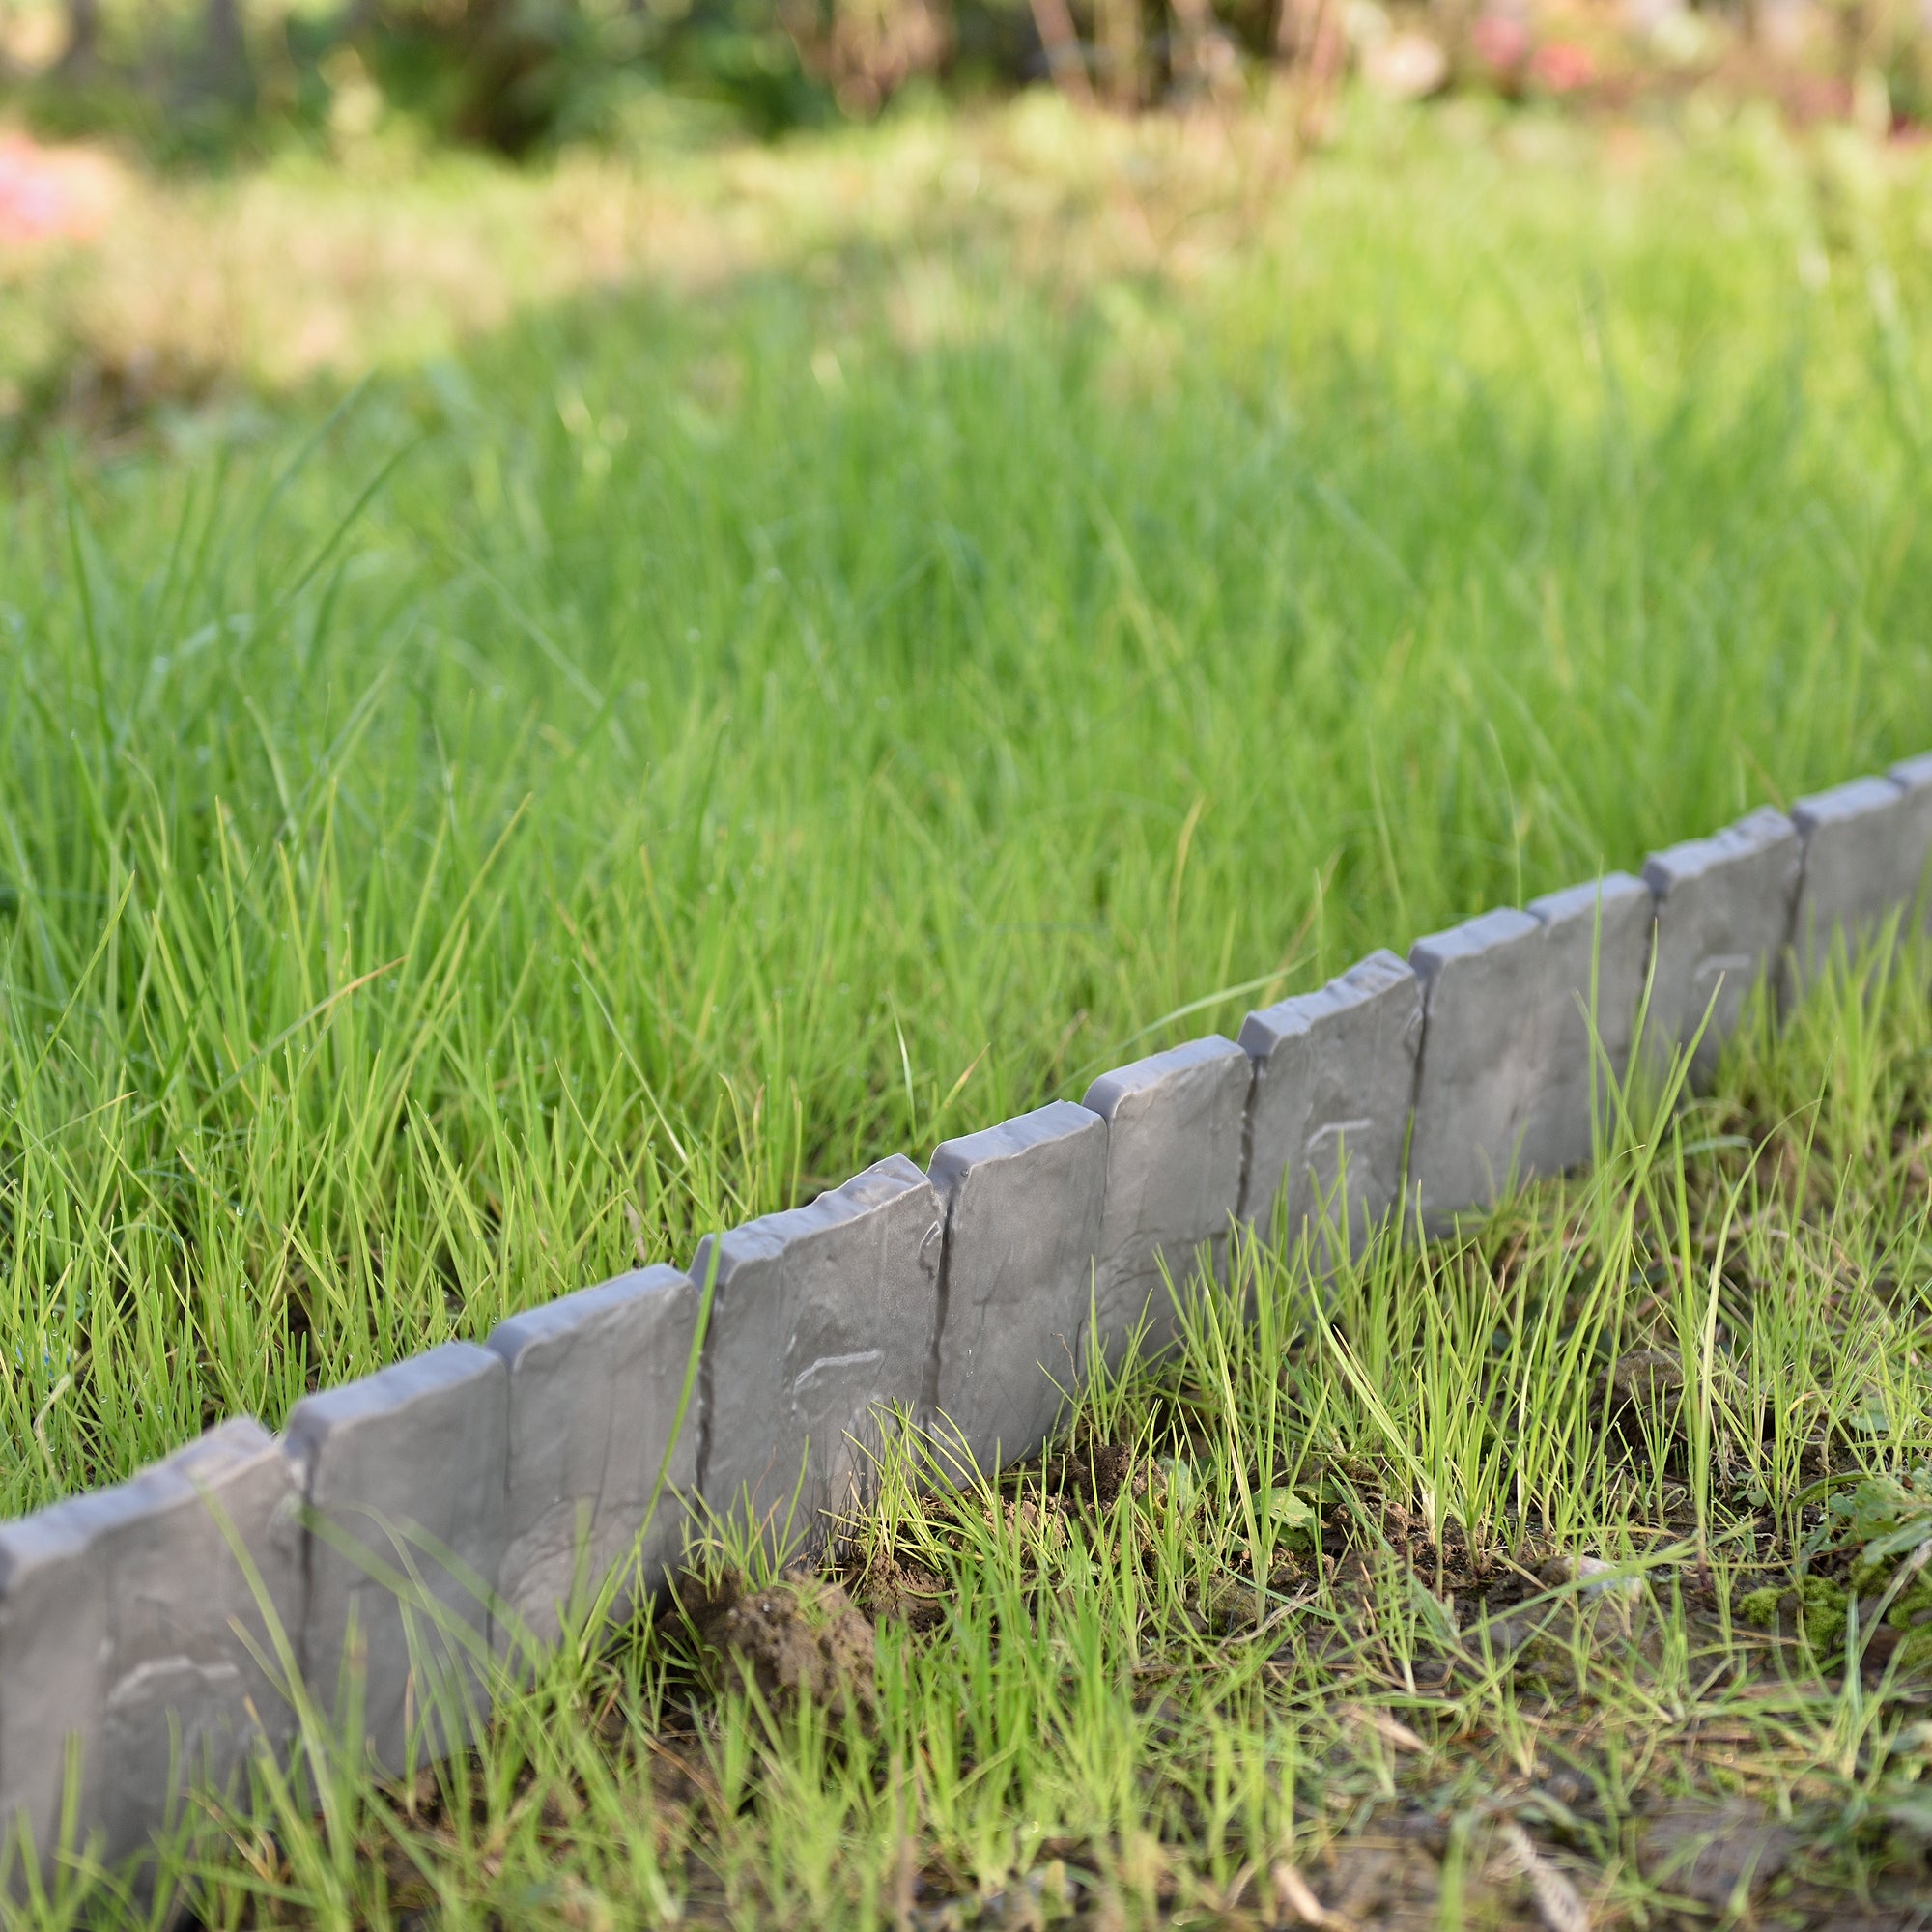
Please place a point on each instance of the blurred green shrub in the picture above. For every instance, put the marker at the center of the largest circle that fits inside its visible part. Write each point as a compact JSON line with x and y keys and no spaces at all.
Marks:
{"x":203,"y":77}
{"x":519,"y":75}
{"x":192,"y":77}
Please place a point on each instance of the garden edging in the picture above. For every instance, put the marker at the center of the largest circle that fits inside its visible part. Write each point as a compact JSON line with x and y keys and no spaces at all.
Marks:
{"x":506,"y":1475}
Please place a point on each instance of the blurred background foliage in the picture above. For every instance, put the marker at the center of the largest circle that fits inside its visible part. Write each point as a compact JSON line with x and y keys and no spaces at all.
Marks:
{"x":204,"y":79}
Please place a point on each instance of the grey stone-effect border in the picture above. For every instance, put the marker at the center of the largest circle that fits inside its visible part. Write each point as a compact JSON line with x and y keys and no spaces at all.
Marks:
{"x":1333,"y":1075}
{"x":1175,"y":1126}
{"x":1725,"y":908}
{"x":1597,"y":941}
{"x":403,"y":1474}
{"x":505,"y":1478}
{"x":118,"y":1615}
{"x":597,"y":1448}
{"x":1023,"y":1223}
{"x":1866,"y":850}
{"x":822,"y":1322}
{"x":1526,"y":1014}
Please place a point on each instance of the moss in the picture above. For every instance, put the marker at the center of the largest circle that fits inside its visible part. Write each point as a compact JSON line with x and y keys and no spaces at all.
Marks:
{"x":1817,"y":1605}
{"x":1911,"y":1604}
{"x":1821,"y":1613}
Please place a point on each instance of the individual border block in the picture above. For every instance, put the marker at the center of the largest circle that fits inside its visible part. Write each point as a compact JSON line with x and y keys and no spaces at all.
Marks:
{"x":1334,"y":1073}
{"x":117,"y":1632}
{"x":595,"y":1382}
{"x":1479,"y":1062}
{"x":1175,"y":1128}
{"x":1724,"y":907}
{"x":1914,"y":777}
{"x":1597,"y":940}
{"x":1504,"y":1080}
{"x":1023,"y":1207}
{"x":822,"y":1319}
{"x":1866,"y":850}
{"x":404,"y":1475}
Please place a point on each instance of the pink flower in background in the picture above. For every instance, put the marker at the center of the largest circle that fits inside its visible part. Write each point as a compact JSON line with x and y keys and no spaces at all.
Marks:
{"x":1501,"y":43}
{"x":49,"y":193}
{"x":1562,"y":67}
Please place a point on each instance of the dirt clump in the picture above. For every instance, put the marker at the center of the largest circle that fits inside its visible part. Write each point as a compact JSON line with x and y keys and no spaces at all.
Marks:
{"x":1093,"y":1474}
{"x":1645,"y":1378}
{"x":799,"y":1638}
{"x":895,"y":1590}
{"x":1643,"y":1395}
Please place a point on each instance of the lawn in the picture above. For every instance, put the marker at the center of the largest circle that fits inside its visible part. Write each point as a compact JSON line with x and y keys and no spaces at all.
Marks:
{"x":1570,"y":1573}
{"x":766,"y":658}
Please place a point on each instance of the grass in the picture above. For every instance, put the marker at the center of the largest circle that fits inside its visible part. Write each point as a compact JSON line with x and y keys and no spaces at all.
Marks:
{"x":1034,"y":600}
{"x":1519,"y":1567}
{"x":462,"y":834}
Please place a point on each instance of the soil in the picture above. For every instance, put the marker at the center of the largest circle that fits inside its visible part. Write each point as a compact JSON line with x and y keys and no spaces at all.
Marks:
{"x":799,"y":1638}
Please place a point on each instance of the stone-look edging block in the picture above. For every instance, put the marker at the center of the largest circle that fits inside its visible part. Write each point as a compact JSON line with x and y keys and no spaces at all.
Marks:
{"x":118,"y":1634}
{"x":595,"y":1382}
{"x":1724,"y":907}
{"x":1913,"y":776}
{"x":1334,"y":1072}
{"x":1481,"y":982}
{"x":1505,"y":1078}
{"x":1597,"y":941}
{"x":822,"y":1322}
{"x":119,"y":1612}
{"x":403,"y":1475}
{"x":1023,"y":1212}
{"x":1865,"y":849}
{"x":1176,"y":1121}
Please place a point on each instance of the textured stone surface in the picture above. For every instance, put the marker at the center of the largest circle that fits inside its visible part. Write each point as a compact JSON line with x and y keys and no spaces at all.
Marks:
{"x":821,"y":1319}
{"x":1474,"y":1076}
{"x":1023,"y":1206}
{"x":1334,"y":1072}
{"x":404,"y":1475}
{"x":1175,"y":1128}
{"x":1725,"y":908}
{"x":1597,"y":940}
{"x":595,"y":1381}
{"x":1914,"y":777}
{"x":1865,"y":849}
{"x":1503,"y":1082}
{"x":117,"y":1613}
